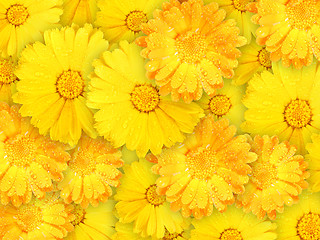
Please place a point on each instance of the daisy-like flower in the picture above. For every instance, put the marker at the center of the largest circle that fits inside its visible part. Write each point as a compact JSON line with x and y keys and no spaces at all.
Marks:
{"x":131,"y":111}
{"x":23,"y":22}
{"x":285,"y":103}
{"x":278,"y":177}
{"x":226,"y":103}
{"x":313,"y":159}
{"x":254,"y":59}
{"x":92,"y":169}
{"x":190,"y":48}
{"x":290,"y":30}
{"x":233,"y":224}
{"x":138,"y":202}
{"x":78,"y":12}
{"x":53,"y":82}
{"x":93,"y":222}
{"x":7,"y":80}
{"x":47,"y":219}
{"x":29,"y":162}
{"x":205,"y":170}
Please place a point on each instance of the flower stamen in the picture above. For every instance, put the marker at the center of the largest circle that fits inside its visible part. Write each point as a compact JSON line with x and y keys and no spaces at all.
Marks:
{"x":17,"y":14}
{"x":298,"y":113}
{"x":308,"y":227}
{"x":70,"y":84}
{"x":220,"y":105}
{"x":230,"y":234}
{"x":153,"y":197}
{"x":145,"y":98}
{"x":6,"y":72}
{"x":134,"y":19}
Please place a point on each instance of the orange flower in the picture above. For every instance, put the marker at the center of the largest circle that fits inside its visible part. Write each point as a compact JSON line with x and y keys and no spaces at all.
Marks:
{"x":190,"y":48}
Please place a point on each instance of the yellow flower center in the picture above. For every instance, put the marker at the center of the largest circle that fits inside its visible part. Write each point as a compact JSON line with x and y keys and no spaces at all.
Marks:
{"x":191,"y":47}
{"x":308,"y":227}
{"x":153,"y":197}
{"x":70,"y":84}
{"x":220,"y":105}
{"x":29,"y":218}
{"x":79,"y":214}
{"x":201,"y":163}
{"x":264,"y":58}
{"x":240,"y":4}
{"x":302,"y":14}
{"x":298,"y":113}
{"x":145,"y":98}
{"x":171,"y":236}
{"x":231,"y":234}
{"x":6,"y":72}
{"x":264,"y":175}
{"x":17,"y":14}
{"x":134,"y":20}
{"x":83,"y":163}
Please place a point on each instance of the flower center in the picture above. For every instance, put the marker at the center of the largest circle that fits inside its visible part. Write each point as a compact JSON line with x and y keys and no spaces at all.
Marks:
{"x":171,"y":236}
{"x":20,"y":150}
{"x":240,"y":5}
{"x":17,"y":14}
{"x":145,"y":98}
{"x":6,"y":72}
{"x":308,"y":227}
{"x":302,"y":14}
{"x":29,"y":218}
{"x":191,"y":47}
{"x":134,"y":20}
{"x":79,"y":214}
{"x":231,"y":234}
{"x":70,"y":84}
{"x":298,"y":113}
{"x":264,"y":175}
{"x":83,"y":163}
{"x":201,"y":163}
{"x":153,"y":197}
{"x":264,"y":58}
{"x":220,"y":105}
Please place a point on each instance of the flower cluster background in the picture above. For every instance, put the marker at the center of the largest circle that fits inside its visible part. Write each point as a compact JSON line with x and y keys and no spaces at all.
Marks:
{"x":159,"y":119}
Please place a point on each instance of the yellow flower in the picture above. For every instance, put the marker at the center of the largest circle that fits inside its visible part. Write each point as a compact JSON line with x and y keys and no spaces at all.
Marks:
{"x":233,"y":224}
{"x":131,"y":111}
{"x":78,"y":12}
{"x":225,"y":104}
{"x":53,"y":82}
{"x":278,"y":177}
{"x":190,"y":48}
{"x":92,"y":168}
{"x":23,"y":22}
{"x":290,"y":30}
{"x":313,"y":159}
{"x":121,"y":20}
{"x":285,"y":103}
{"x":47,"y":219}
{"x":138,"y":202}
{"x":206,"y":170}
{"x":7,"y":80}
{"x":29,"y":162}
{"x":93,"y":222}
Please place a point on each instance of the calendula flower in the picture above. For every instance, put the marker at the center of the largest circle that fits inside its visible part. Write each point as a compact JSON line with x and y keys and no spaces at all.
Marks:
{"x":138,"y":202}
{"x":313,"y":159}
{"x":121,"y":20}
{"x":78,"y":12}
{"x":233,"y":224}
{"x":23,"y":22}
{"x":226,"y":103}
{"x":277,"y":178}
{"x":190,"y":48}
{"x":29,"y":162}
{"x":131,"y":111}
{"x":93,"y":222}
{"x":285,"y":103}
{"x":205,"y":170}
{"x":47,"y":219}
{"x":7,"y":80}
{"x":92,"y":169}
{"x":254,"y":59}
{"x":53,"y":82}
{"x":290,"y":30}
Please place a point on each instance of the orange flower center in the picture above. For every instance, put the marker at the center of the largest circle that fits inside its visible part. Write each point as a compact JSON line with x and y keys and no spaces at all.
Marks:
{"x":134,"y":20}
{"x":201,"y":163}
{"x":79,"y":214}
{"x":17,"y":14}
{"x":70,"y":84}
{"x":302,"y":14}
{"x":29,"y":218}
{"x":191,"y":47}
{"x":231,"y":234}
{"x":240,"y":4}
{"x":298,"y":113}
{"x":220,"y":105}
{"x":308,"y":227}
{"x":83,"y":163}
{"x":264,"y":175}
{"x":6,"y":72}
{"x":145,"y":98}
{"x":152,"y":196}
{"x":264,"y":58}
